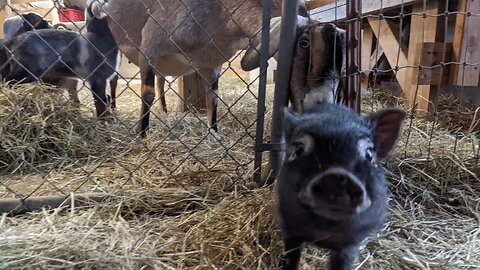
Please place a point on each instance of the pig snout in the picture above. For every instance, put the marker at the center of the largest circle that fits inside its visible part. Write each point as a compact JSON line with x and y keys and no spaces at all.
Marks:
{"x":335,"y":194}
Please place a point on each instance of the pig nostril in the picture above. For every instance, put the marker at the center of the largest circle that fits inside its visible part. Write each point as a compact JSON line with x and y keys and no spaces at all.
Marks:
{"x":357,"y":195}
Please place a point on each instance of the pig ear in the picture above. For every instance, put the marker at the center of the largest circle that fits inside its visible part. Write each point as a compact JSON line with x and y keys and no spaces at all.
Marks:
{"x":251,"y":59}
{"x":387,"y":124}
{"x":290,"y":121}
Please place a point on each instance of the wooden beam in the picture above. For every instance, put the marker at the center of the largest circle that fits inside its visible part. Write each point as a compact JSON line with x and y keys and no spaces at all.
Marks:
{"x":432,"y":54}
{"x":376,"y":55}
{"x":317,"y":3}
{"x":420,"y":98}
{"x":392,"y":49}
{"x":466,"y":45}
{"x":192,"y":90}
{"x":367,"y":43}
{"x":337,"y":11}
{"x":457,"y":41}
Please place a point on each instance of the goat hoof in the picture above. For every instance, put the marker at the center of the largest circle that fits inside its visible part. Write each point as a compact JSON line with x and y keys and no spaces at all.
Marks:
{"x":214,"y":133}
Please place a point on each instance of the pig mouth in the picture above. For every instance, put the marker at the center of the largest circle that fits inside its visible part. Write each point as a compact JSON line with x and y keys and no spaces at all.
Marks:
{"x":333,"y":212}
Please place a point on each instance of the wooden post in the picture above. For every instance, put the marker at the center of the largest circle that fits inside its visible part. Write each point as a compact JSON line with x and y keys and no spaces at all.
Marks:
{"x":390,"y":46}
{"x":367,"y":43}
{"x":466,"y":45}
{"x":457,"y":41}
{"x":192,"y":91}
{"x":421,"y":98}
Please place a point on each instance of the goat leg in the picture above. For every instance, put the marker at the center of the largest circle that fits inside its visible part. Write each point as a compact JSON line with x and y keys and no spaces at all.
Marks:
{"x":113,"y":91}
{"x":161,"y":92}
{"x":148,"y":96}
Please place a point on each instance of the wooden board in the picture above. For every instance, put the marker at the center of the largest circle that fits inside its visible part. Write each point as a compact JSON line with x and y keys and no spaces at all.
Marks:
{"x":467,"y":43}
{"x":192,"y":91}
{"x":420,"y":98}
{"x":390,"y":46}
{"x":432,"y":54}
{"x":317,"y":3}
{"x":367,"y":43}
{"x":337,"y":11}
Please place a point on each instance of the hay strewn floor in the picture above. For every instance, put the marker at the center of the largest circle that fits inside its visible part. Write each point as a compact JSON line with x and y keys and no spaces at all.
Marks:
{"x":169,"y":208}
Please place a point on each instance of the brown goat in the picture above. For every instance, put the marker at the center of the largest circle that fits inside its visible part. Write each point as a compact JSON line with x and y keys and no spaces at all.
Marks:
{"x":318,"y":63}
{"x":176,"y":38}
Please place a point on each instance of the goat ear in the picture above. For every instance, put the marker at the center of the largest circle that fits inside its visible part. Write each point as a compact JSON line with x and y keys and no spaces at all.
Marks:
{"x":387,"y":124}
{"x":251,"y":59}
{"x":98,"y":9}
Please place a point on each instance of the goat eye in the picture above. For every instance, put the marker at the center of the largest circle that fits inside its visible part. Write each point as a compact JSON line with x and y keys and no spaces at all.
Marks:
{"x":304,"y":43}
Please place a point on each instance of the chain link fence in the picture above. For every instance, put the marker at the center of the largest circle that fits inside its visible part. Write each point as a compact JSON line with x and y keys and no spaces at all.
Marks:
{"x":169,"y":165}
{"x":179,"y":144}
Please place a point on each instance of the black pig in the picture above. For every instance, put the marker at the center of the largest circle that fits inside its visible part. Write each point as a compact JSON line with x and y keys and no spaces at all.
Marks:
{"x":331,"y":191}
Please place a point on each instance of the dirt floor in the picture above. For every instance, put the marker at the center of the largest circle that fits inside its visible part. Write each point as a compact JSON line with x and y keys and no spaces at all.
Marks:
{"x":177,"y":200}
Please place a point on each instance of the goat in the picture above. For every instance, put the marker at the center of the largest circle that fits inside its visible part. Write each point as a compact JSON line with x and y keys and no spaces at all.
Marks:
{"x":319,"y":63}
{"x":22,"y":23}
{"x":180,"y":37}
{"x":50,"y":54}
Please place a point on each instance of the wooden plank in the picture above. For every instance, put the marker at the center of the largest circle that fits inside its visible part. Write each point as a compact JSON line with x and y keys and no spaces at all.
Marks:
{"x":376,"y":55}
{"x":457,"y":42}
{"x":192,"y":91}
{"x":367,"y":43}
{"x":420,"y":98}
{"x":389,"y":43}
{"x":337,"y":11}
{"x":432,"y":54}
{"x":469,"y":48}
{"x":317,"y":3}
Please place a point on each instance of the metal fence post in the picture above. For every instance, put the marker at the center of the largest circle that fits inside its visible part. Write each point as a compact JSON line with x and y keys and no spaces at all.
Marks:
{"x":267,"y":7}
{"x":285,"y":59}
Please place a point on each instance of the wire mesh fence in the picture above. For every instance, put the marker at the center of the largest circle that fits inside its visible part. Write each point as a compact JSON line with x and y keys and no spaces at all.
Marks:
{"x":179,"y":145}
{"x":185,"y":118}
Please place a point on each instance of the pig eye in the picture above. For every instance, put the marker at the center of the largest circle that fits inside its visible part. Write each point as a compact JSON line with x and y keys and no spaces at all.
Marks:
{"x":302,"y":145}
{"x":369,"y":154}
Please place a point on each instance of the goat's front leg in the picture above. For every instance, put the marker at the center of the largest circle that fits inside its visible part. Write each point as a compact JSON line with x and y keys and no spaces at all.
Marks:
{"x":113,"y":91}
{"x":71,"y":86}
{"x":100,"y":97}
{"x":211,"y":77}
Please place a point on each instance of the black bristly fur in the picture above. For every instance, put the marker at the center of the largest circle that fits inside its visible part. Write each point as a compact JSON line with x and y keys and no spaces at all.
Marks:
{"x":336,"y":131}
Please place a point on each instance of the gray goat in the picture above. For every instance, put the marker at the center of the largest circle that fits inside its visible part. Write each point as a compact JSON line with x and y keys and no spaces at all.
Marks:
{"x":55,"y":55}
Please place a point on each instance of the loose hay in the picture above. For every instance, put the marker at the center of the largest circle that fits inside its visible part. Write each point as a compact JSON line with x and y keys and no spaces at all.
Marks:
{"x":40,"y":129}
{"x":169,"y":209}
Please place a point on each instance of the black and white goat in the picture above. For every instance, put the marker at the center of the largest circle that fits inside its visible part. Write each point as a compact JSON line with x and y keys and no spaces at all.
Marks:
{"x":22,"y":23}
{"x":54,"y":55}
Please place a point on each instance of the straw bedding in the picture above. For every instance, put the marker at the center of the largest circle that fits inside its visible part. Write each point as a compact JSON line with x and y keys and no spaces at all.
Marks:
{"x":177,"y":201}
